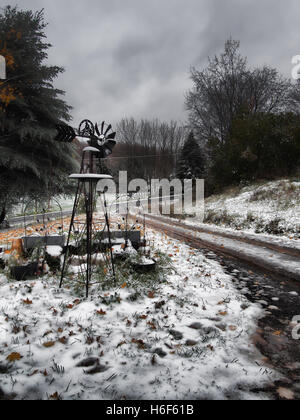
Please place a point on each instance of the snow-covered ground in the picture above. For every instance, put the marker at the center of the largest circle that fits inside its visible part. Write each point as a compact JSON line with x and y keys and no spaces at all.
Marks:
{"x":185,"y":337}
{"x":271,"y":208}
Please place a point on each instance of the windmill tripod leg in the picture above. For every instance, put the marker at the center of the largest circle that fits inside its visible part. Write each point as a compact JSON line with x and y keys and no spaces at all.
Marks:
{"x":75,"y":206}
{"x":69,"y":234}
{"x":86,"y":188}
{"x":89,"y":200}
{"x":109,"y":241}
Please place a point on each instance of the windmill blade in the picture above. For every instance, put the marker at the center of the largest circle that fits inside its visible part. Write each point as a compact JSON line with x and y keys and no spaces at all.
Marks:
{"x":110,"y":144}
{"x":108,"y":129}
{"x":111,"y":136}
{"x":97,"y":130}
{"x":102,"y":127}
{"x":65,"y":133}
{"x":106,"y":152}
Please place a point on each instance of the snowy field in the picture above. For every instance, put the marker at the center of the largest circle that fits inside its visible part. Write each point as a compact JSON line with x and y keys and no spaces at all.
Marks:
{"x":270,"y":208}
{"x":187,"y":336}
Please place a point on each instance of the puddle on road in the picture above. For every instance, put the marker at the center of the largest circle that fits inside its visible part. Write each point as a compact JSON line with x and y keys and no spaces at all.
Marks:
{"x":280,"y":298}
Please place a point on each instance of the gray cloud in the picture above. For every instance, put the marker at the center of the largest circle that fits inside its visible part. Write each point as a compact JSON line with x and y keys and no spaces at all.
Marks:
{"x":132,"y":57}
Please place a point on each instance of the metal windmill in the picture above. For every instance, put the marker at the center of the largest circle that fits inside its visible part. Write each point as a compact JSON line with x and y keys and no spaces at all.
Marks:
{"x":86,"y":238}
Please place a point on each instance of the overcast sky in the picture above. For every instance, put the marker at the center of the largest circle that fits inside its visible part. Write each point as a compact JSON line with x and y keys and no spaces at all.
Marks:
{"x":128,"y":58}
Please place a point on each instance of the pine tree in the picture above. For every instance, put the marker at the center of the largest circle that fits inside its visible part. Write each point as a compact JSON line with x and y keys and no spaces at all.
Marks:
{"x":191,"y":163}
{"x":32,"y":164}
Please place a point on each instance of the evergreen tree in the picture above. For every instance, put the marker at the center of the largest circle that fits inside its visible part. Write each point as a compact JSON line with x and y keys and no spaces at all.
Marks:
{"x":191,"y":163}
{"x":32,"y":164}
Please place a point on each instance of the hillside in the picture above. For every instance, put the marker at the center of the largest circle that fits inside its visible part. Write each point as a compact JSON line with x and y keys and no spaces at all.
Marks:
{"x":270,"y":207}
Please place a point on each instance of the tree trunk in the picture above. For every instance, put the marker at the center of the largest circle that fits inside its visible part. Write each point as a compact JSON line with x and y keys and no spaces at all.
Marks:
{"x":2,"y":215}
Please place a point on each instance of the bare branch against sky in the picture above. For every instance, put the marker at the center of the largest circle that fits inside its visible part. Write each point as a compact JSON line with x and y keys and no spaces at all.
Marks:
{"x":128,"y":58}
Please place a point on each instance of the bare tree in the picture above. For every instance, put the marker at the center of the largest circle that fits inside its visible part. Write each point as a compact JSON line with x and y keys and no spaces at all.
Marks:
{"x":227,"y":87}
{"x":148,"y":148}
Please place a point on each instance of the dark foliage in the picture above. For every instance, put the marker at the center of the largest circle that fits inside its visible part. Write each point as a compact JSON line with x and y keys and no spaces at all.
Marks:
{"x":32,"y":164}
{"x":191,"y":163}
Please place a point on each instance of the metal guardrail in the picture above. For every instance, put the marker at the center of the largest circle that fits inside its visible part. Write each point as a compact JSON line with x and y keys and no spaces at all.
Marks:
{"x":19,"y":221}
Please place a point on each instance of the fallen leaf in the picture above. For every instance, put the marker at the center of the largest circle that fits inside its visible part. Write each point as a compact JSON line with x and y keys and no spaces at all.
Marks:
{"x":121,"y":344}
{"x":286,"y":393}
{"x":55,"y":397}
{"x":47,"y":333}
{"x":140,"y":343}
{"x":13,"y":357}
{"x":16,"y":329}
{"x":49,"y":344}
{"x":151,"y":295}
{"x":101,"y":312}
{"x":27,"y":302}
{"x":76,"y":301}
{"x":63,"y":340}
{"x":33,"y":373}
